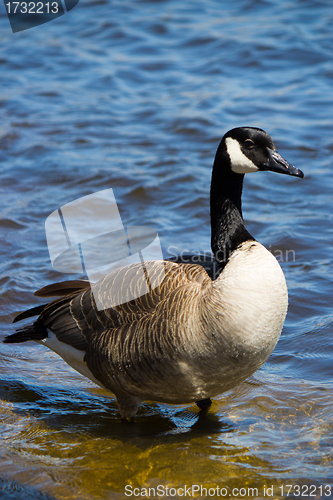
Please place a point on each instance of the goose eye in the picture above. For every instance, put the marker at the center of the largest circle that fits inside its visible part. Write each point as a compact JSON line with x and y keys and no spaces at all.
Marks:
{"x":249,"y":143}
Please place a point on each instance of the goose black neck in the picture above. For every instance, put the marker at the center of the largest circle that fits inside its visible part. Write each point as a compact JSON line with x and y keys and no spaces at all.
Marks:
{"x":227,"y":224}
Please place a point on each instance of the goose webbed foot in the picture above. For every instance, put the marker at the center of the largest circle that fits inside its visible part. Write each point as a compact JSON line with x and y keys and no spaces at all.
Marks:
{"x":204,"y":404}
{"x":127,"y":420}
{"x":128,"y":406}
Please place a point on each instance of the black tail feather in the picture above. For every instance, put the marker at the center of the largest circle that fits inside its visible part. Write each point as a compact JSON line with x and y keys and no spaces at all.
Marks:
{"x":34,"y":311}
{"x":36,"y":331}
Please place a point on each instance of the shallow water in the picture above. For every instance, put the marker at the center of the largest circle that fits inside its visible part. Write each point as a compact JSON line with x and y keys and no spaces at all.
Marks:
{"x":135,"y":96}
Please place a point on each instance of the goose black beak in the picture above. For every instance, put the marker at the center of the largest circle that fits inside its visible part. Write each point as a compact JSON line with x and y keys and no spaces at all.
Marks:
{"x":278,"y":164}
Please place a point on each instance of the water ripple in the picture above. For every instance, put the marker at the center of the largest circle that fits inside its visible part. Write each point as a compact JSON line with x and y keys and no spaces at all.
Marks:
{"x":135,"y":97}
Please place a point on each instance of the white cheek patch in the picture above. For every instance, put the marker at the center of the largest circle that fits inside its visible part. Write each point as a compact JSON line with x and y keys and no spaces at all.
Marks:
{"x":240,"y":163}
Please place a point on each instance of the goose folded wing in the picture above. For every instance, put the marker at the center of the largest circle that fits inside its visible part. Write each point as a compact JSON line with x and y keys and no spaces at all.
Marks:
{"x":75,"y":317}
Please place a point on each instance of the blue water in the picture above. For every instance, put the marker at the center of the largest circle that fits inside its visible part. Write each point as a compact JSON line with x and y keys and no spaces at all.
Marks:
{"x":135,"y":96}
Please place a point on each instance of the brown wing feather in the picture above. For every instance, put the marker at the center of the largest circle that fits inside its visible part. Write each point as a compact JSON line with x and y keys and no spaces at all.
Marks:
{"x":75,"y":318}
{"x":62,"y":288}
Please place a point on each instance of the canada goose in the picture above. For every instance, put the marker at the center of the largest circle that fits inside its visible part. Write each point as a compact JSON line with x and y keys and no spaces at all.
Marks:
{"x":192,"y":337}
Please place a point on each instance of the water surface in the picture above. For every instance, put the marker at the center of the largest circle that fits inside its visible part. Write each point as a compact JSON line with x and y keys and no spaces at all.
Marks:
{"x":135,"y":96}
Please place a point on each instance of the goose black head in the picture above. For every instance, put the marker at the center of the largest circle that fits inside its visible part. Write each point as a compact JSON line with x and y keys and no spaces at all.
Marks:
{"x":251,"y":149}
